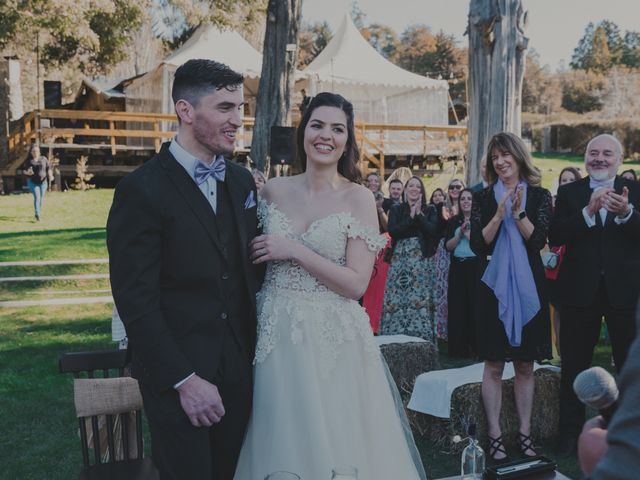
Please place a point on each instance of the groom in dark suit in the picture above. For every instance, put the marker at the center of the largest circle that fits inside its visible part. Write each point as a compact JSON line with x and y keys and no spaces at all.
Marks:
{"x":177,"y":234}
{"x":597,"y":220}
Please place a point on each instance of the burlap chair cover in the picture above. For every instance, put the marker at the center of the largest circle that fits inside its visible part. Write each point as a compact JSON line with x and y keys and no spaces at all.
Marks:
{"x":102,"y":396}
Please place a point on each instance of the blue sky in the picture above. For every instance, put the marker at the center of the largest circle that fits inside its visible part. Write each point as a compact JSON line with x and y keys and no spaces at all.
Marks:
{"x":555,"y":26}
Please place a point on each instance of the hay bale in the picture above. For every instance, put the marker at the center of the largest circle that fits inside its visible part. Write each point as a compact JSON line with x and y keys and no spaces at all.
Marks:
{"x":467,"y":407}
{"x":408,"y":360}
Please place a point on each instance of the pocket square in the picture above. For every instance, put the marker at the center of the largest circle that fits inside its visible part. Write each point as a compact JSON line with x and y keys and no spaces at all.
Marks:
{"x":250,"y":202}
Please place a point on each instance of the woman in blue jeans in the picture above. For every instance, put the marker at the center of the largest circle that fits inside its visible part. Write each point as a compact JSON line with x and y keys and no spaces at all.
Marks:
{"x":37,"y":170}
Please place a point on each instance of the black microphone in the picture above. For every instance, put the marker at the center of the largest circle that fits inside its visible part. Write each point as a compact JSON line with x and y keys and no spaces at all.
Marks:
{"x":596,"y":388}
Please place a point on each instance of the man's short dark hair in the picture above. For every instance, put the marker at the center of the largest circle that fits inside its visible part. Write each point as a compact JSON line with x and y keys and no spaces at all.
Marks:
{"x":396,"y":180}
{"x":199,"y":77}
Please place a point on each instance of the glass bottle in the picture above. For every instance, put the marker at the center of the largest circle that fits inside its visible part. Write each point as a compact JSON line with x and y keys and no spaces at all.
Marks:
{"x":472,"y":461}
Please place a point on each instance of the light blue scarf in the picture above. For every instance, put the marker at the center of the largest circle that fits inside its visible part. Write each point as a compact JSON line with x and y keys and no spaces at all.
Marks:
{"x":509,"y":273}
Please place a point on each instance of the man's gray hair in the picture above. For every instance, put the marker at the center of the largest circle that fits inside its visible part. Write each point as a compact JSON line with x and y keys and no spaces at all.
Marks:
{"x":619,"y":149}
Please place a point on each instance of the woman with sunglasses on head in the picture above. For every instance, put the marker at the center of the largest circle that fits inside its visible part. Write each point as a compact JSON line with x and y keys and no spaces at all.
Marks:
{"x":453,"y":192}
{"x":413,"y":225}
{"x":442,"y":259}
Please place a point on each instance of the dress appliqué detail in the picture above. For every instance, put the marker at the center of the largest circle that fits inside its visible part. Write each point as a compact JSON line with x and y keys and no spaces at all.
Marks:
{"x":291,"y":294}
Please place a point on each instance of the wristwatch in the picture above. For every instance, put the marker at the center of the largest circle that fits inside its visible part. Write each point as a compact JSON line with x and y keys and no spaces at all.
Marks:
{"x":520,"y":215}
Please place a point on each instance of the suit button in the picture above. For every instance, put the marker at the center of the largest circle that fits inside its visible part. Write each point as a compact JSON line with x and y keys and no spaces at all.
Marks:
{"x":225,"y":276}
{"x":223,"y":316}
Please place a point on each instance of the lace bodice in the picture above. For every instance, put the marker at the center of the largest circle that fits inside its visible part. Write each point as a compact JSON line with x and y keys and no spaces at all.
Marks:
{"x":290,"y":292}
{"x":326,"y":236}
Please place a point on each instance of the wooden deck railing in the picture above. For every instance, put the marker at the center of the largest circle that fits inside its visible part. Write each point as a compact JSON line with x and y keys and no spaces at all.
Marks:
{"x":116,"y":131}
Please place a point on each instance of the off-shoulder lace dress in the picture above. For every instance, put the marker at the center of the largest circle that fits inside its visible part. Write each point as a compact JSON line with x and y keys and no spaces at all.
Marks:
{"x":321,"y":396}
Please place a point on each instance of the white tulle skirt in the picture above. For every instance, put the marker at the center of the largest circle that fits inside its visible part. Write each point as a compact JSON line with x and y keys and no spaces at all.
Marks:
{"x":322,"y":397}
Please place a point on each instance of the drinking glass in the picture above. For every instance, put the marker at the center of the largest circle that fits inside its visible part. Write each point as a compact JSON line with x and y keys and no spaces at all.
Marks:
{"x":344,"y":472}
{"x":282,"y":476}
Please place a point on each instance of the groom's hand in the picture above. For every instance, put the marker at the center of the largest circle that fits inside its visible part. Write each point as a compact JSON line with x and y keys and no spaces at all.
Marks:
{"x":201,"y":402}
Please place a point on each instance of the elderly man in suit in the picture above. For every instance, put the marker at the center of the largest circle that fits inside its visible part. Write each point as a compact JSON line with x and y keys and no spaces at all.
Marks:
{"x":178,"y":234}
{"x":596,"y":219}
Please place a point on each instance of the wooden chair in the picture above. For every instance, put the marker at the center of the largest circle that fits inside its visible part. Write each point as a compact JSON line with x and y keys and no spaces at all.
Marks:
{"x":110,"y":402}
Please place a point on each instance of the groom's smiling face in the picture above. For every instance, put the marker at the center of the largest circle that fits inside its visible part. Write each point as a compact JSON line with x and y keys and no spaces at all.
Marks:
{"x":216,"y":120}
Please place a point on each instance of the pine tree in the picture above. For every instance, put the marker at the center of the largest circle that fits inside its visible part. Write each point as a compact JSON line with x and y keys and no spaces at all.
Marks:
{"x":631,"y":50}
{"x":600,"y":58}
{"x":313,"y":38}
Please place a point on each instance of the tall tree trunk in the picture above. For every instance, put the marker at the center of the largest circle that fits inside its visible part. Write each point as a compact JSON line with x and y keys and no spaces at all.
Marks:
{"x":497,"y":53}
{"x":11,"y":107}
{"x":277,"y":78}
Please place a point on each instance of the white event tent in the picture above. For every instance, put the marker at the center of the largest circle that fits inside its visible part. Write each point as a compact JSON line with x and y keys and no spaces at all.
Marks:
{"x":151,"y":92}
{"x":380,"y":91}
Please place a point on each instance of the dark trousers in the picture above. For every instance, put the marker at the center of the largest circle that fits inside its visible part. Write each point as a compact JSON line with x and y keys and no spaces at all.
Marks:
{"x":461,"y":295}
{"x":182,"y":451}
{"x":579,"y":333}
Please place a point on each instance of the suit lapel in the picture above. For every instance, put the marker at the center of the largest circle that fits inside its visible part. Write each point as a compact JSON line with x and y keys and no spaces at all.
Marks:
{"x":584,"y":196}
{"x":237,"y":204}
{"x":585,"y":192}
{"x":192,"y":195}
{"x":617,"y":187}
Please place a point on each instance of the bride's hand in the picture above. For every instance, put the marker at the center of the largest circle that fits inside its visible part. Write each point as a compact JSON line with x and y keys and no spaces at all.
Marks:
{"x":265,"y":248}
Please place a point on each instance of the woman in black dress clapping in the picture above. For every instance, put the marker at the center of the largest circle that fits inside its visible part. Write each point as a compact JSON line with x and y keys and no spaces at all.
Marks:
{"x":509,"y":224}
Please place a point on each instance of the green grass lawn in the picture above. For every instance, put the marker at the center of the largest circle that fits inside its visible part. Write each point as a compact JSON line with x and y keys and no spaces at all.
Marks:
{"x":72,"y":226}
{"x":39,"y":434}
{"x":39,"y":430}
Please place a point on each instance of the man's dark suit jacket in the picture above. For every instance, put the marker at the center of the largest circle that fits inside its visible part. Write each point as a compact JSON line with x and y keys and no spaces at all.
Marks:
{"x":612,"y":249}
{"x":167,"y":269}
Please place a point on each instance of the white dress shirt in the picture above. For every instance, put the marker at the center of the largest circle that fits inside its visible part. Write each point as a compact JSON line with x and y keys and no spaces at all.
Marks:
{"x":209,"y":188}
{"x":590,"y":220}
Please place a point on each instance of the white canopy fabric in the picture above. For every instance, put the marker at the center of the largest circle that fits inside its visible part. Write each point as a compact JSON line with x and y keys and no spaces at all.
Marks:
{"x":380,"y":91}
{"x":224,"y":46}
{"x":349,"y":58}
{"x":151,"y":92}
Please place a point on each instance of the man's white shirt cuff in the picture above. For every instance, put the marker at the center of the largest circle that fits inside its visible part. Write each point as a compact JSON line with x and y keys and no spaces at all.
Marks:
{"x":177,"y":385}
{"x":590,"y":220}
{"x":625,"y":219}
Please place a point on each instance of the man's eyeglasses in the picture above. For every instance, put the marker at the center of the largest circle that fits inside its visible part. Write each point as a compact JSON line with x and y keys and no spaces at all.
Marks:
{"x":455,"y":187}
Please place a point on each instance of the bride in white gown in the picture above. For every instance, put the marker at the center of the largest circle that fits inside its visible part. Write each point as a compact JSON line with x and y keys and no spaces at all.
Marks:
{"x":321,"y":395}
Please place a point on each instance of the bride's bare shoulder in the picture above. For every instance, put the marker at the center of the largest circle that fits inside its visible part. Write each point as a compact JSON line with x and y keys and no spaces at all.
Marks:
{"x":277,"y":188}
{"x":361,"y":202}
{"x":359,"y":196}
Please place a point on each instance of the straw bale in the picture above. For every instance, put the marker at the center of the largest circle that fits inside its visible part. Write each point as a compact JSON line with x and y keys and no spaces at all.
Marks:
{"x":466,"y":407}
{"x":408,"y":360}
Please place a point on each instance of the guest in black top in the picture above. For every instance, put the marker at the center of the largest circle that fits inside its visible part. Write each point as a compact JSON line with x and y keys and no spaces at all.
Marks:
{"x":463,"y":280}
{"x":395,"y":195}
{"x":438,"y":199}
{"x":407,"y":307}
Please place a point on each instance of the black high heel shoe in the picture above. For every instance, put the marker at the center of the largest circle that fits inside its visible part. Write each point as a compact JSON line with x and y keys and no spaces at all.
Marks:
{"x":525,"y":442}
{"x":496,"y":445}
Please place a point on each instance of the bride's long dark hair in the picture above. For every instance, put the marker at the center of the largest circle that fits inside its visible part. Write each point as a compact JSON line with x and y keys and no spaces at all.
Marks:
{"x":348,"y":163}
